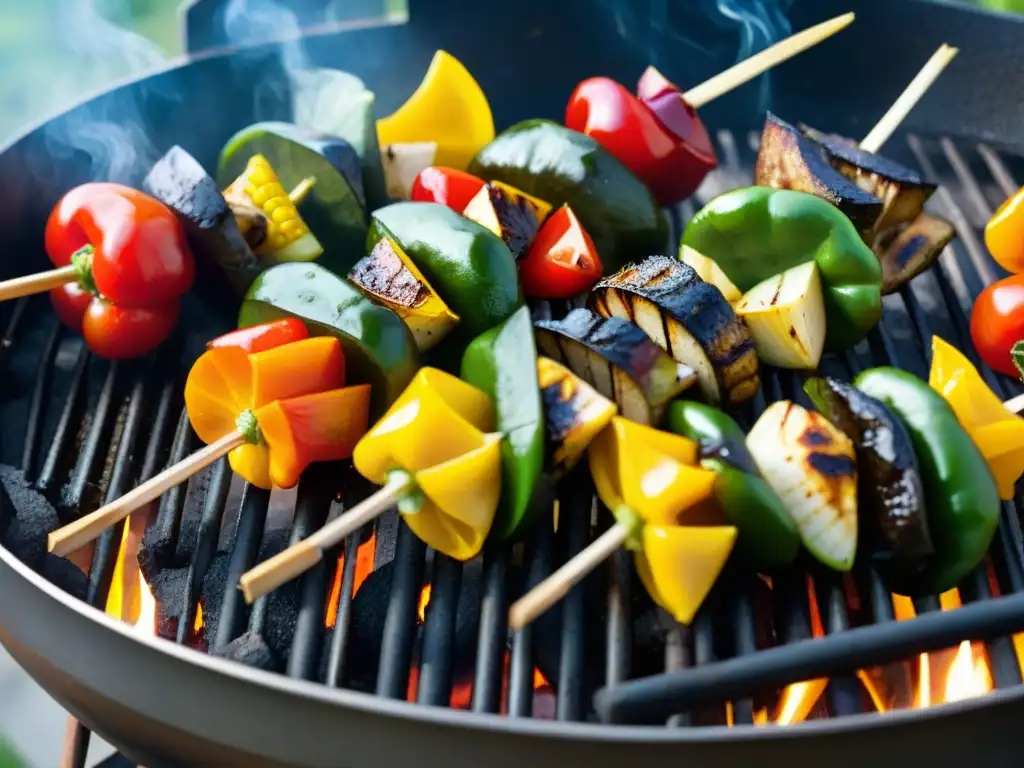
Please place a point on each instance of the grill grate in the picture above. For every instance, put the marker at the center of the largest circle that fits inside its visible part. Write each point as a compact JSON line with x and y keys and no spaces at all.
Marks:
{"x":123,"y":433}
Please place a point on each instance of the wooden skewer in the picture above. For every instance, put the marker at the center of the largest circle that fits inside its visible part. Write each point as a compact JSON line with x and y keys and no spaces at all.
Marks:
{"x":557,"y":585}
{"x":66,"y":540}
{"x":900,"y":108}
{"x":300,"y":557}
{"x":1015,"y":404}
{"x":748,"y":69}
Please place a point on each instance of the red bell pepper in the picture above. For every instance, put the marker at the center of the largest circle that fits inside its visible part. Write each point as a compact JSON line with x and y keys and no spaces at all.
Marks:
{"x":259,"y":338}
{"x":133,"y":266}
{"x":562,"y":261}
{"x":654,"y":133}
{"x":446,"y":186}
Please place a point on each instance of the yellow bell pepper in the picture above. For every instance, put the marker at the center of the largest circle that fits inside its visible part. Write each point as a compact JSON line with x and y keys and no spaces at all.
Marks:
{"x":650,"y":481}
{"x":439,"y":432}
{"x":449,"y":109}
{"x":998,"y":433}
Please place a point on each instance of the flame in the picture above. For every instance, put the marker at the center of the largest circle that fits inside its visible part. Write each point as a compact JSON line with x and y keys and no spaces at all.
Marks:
{"x":424,"y":601}
{"x":967,"y":676}
{"x":364,"y":567}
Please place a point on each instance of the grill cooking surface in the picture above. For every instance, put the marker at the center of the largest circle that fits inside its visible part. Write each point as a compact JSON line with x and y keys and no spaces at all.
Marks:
{"x":93,"y":430}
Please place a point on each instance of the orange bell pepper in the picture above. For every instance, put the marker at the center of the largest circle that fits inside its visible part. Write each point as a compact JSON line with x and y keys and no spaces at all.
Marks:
{"x":438,"y":437}
{"x":287,"y":401}
{"x":257,"y":338}
{"x":998,"y":433}
{"x":1004,"y":234}
{"x":650,"y":482}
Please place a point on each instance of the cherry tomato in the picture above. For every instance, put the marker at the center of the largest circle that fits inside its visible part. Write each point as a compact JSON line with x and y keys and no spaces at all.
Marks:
{"x":258,"y":338}
{"x":997,"y":323}
{"x":447,"y":186}
{"x":562,"y":261}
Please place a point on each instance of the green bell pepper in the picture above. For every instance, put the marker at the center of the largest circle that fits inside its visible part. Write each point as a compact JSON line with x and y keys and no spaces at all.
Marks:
{"x":561,"y":166}
{"x":768,"y":537}
{"x":503,"y":363}
{"x":757,"y":232}
{"x":961,"y":497}
{"x":470,"y":267}
{"x":379,"y":349}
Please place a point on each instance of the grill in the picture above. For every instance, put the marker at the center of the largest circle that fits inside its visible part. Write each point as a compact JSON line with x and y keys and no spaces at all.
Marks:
{"x":82,"y":431}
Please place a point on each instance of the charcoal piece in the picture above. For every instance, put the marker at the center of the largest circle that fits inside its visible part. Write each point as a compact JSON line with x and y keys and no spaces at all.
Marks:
{"x":251,"y":649}
{"x":283,"y":611}
{"x":214,"y":588}
{"x":156,"y":551}
{"x":168,"y":586}
{"x":33,"y":520}
{"x":65,"y":575}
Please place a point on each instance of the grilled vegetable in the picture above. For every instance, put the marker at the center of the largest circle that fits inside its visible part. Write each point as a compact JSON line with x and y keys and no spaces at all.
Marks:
{"x":221,"y":251}
{"x":562,"y":261}
{"x":1004,"y":233}
{"x":573,"y":414}
{"x":287,"y":238}
{"x":402,"y":163}
{"x":912,"y":249}
{"x":689,"y":319}
{"x":768,"y":537}
{"x":334,"y":103}
{"x":379,"y":348}
{"x":810,"y":465}
{"x":332,"y":209}
{"x":389,"y":277}
{"x":446,"y":186}
{"x":511,"y":214}
{"x":790,"y":160}
{"x":471,"y":269}
{"x":618,"y":359}
{"x":756,"y":232}
{"x":502,"y":363}
{"x":562,"y":166}
{"x":960,"y":492}
{"x":893,"y":518}
{"x":710,"y":272}
{"x":786,"y":315}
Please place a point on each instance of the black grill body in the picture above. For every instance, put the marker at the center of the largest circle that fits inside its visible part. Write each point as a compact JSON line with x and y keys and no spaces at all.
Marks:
{"x":167,"y":706}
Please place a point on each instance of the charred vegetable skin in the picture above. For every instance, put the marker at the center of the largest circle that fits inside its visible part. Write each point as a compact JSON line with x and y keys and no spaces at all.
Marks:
{"x":960,"y":493}
{"x":574,"y":413}
{"x":379,"y":349}
{"x":892,"y":508}
{"x":757,"y":232}
{"x":618,"y":359}
{"x":562,"y":166}
{"x":502,"y":363}
{"x":471,"y":268}
{"x":689,"y":319}
{"x":768,"y":538}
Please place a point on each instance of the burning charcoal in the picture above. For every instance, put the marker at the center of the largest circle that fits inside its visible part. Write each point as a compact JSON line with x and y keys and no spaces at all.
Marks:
{"x":66,"y":575}
{"x":214,"y":588}
{"x":284,"y":601}
{"x":34,"y":518}
{"x":250,"y":649}
{"x":169,"y":585}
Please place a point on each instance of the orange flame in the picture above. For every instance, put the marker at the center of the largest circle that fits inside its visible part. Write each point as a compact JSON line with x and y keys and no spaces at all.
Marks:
{"x":364,"y":567}
{"x":424,"y":601}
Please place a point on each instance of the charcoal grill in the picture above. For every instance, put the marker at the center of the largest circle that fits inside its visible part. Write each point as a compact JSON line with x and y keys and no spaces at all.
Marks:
{"x":81,"y":430}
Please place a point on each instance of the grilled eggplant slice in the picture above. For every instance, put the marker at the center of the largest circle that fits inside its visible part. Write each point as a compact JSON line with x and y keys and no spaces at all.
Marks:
{"x":786,"y":315}
{"x":892,"y":515}
{"x":688,"y":318}
{"x":790,"y":160}
{"x":618,"y":359}
{"x":390,"y":278}
{"x":810,"y":465}
{"x":912,"y":250}
{"x":179,"y":181}
{"x":511,"y":214}
{"x":709,"y":271}
{"x":573,"y":414}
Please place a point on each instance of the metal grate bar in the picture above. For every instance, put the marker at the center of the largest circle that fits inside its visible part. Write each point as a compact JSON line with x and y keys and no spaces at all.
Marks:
{"x":577,"y":509}
{"x":40,"y":394}
{"x":338,"y":653}
{"x":163,"y":533}
{"x":998,"y":169}
{"x":619,"y":639}
{"x":396,"y":650}
{"x":435,"y":674}
{"x":252,"y":515}
{"x":102,"y":424}
{"x":66,"y":424}
{"x":493,"y":635}
{"x":520,"y":686}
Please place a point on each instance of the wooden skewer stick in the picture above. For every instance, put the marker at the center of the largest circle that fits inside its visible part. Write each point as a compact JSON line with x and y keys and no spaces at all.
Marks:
{"x":300,"y":557}
{"x":1015,"y":404}
{"x":748,"y":69}
{"x":900,"y":108}
{"x":66,"y":540}
{"x":557,"y":585}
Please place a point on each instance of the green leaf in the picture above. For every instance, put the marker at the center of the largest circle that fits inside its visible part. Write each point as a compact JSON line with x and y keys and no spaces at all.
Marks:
{"x":1017,"y":353}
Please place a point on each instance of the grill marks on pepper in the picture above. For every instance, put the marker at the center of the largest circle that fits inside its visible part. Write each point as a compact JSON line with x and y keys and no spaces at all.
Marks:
{"x":383,"y":274}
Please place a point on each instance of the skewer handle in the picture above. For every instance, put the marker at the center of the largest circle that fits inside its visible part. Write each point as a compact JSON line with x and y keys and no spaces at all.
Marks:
{"x":37,"y":283}
{"x":908,"y":99}
{"x":300,"y":557}
{"x":557,"y":585}
{"x":1015,"y":404}
{"x":71,"y":537}
{"x":748,"y":69}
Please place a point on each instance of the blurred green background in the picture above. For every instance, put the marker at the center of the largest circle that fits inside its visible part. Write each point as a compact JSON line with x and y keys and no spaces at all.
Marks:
{"x":53,"y":52}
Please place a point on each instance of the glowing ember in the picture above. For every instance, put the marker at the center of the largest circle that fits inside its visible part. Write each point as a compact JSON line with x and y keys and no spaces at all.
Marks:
{"x":364,"y":567}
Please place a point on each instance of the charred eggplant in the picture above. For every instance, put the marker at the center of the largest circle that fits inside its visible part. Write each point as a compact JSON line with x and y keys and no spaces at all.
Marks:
{"x":511,"y":214}
{"x":618,"y":359}
{"x":907,"y":252}
{"x":688,"y":318}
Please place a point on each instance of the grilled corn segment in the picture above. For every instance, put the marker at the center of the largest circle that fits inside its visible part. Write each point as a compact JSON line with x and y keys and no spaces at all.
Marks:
{"x":288,"y":238}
